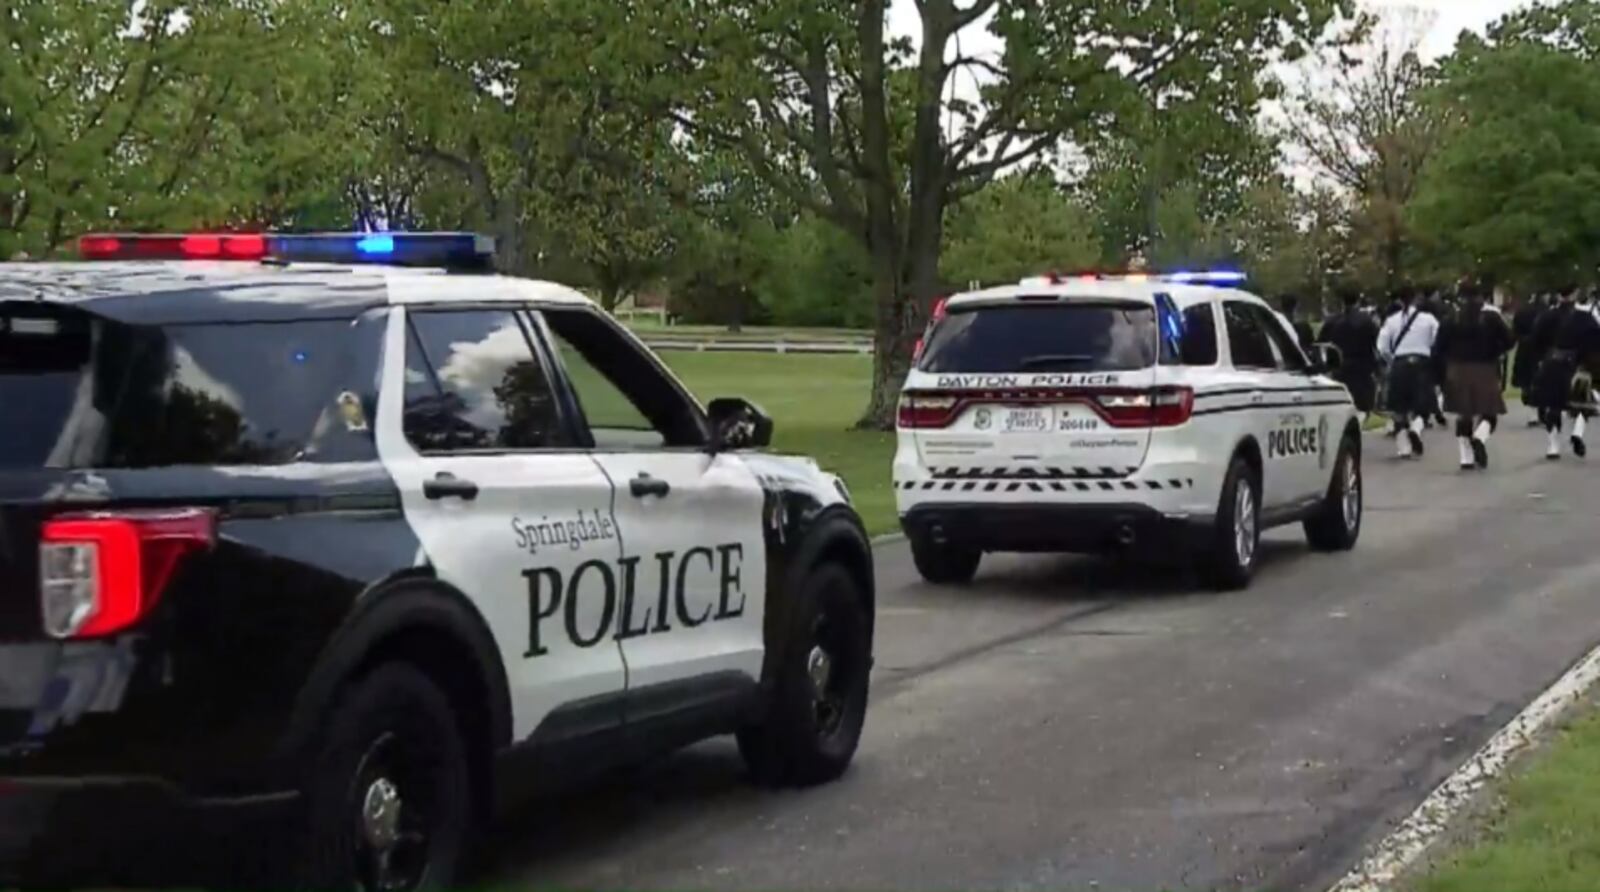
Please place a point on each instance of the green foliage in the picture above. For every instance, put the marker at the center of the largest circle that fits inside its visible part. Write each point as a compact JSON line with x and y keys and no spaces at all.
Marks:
{"x":1019,"y":226}
{"x":814,"y":275}
{"x":1515,"y":191}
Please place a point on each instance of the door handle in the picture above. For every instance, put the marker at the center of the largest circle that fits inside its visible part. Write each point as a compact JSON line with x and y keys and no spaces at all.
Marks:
{"x":1258,"y":397}
{"x":645,"y":485}
{"x":446,"y":485}
{"x":1299,"y":397}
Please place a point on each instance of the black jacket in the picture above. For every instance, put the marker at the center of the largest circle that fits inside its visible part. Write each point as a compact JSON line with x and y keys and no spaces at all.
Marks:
{"x":1468,"y":338}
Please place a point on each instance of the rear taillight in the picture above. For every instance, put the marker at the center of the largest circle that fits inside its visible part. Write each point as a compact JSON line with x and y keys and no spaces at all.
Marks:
{"x":927,"y":411}
{"x":99,"y":574}
{"x":1164,"y":407}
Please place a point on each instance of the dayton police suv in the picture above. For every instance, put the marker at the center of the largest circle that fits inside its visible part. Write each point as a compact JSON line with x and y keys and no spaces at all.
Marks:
{"x":1097,"y":413}
{"x":290,"y":521}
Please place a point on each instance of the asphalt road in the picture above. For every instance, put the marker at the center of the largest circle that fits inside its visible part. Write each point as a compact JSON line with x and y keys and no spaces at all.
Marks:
{"x":1070,"y":723}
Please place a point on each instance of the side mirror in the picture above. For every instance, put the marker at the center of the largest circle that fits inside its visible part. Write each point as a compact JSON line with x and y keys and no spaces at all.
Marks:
{"x":1326,"y":358}
{"x":737,"y":424}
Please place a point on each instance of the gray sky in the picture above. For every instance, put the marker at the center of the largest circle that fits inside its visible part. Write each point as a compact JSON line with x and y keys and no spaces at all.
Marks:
{"x":1453,"y":17}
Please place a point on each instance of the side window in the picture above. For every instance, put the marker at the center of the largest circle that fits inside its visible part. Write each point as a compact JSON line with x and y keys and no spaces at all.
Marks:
{"x":1252,"y":347}
{"x":625,"y":399}
{"x":473,"y":383}
{"x":1199,"y":336}
{"x":1285,"y":344}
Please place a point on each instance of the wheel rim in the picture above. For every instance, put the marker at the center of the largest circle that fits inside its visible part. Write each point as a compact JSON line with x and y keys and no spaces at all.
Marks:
{"x":1244,"y":523}
{"x":835,"y":667}
{"x":393,"y":804}
{"x":1352,"y":495}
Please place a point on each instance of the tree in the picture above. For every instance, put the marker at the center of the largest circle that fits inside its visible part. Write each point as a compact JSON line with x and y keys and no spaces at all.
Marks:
{"x":1019,"y":226}
{"x":1362,"y":122}
{"x":1515,"y":191}
{"x":858,"y":129}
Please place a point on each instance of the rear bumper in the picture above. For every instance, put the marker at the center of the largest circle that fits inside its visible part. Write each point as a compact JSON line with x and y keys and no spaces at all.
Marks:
{"x":127,"y":831}
{"x":1081,"y":528}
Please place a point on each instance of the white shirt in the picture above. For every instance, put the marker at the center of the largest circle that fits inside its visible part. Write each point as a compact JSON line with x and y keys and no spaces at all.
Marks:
{"x":1419,"y":339}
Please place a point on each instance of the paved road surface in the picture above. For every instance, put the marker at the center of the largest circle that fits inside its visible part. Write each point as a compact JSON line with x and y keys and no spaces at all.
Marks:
{"x":1066,"y":723}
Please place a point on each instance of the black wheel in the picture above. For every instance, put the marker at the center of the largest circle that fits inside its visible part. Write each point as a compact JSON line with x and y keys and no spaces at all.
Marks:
{"x":1337,"y":524}
{"x":388,"y":801}
{"x":944,"y":564}
{"x":1230,"y":558}
{"x":811,"y":727}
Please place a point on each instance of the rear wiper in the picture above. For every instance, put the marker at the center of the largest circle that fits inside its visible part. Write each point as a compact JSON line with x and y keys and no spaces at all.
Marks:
{"x":1061,"y":359}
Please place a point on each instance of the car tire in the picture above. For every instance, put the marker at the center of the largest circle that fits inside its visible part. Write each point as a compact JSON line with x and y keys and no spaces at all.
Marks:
{"x":1229,"y":559}
{"x":944,"y":563}
{"x":812,"y":724}
{"x":388,"y":800}
{"x":1337,"y":523}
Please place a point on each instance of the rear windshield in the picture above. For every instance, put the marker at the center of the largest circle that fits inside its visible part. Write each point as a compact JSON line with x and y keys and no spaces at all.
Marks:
{"x":77,"y":391}
{"x":1044,"y":338}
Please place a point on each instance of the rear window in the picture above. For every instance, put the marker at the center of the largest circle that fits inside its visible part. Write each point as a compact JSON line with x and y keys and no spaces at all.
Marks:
{"x":77,"y":391}
{"x":1044,"y":338}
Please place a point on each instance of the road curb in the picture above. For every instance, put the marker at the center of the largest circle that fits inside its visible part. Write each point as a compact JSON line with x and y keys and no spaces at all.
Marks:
{"x":1400,"y":850}
{"x":888,"y":539}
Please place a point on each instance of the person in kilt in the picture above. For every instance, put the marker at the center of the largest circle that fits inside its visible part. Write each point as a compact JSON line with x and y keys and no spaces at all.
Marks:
{"x":1523,"y":324}
{"x":1472,"y":342}
{"x":1406,"y":345}
{"x":1355,"y":334}
{"x":1563,"y":386}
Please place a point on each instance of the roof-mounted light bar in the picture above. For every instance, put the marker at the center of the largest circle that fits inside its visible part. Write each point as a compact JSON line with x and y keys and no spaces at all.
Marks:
{"x":1207,"y":277}
{"x":455,"y":250}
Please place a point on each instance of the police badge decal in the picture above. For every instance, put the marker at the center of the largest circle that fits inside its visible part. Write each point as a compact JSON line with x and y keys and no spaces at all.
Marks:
{"x":1322,"y":442}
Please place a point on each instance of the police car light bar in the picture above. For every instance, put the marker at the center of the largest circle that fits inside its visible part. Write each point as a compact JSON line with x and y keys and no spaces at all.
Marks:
{"x":457,"y":250}
{"x":1208,"y":277}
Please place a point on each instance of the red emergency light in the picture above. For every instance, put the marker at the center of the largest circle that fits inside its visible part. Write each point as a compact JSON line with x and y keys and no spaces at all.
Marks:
{"x":199,"y":246}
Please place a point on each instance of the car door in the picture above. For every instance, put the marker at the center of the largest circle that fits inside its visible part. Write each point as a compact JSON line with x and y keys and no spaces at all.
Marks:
{"x":506,"y":511}
{"x":1305,"y":429}
{"x":690,"y":521}
{"x":1257,"y":371}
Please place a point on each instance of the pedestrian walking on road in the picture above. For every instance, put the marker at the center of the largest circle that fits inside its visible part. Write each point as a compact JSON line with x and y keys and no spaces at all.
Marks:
{"x":1302,"y":328}
{"x":1526,"y":362}
{"x":1564,"y":383}
{"x":1406,"y":345}
{"x":1472,"y":341}
{"x":1354,"y":333}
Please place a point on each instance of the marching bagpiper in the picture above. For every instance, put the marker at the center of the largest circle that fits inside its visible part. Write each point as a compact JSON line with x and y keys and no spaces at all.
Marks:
{"x":1406,"y":344}
{"x":1471,"y":344}
{"x":1563,"y":386}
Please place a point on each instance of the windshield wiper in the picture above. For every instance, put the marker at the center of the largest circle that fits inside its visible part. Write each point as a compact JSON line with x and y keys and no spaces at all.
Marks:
{"x":1056,"y":359}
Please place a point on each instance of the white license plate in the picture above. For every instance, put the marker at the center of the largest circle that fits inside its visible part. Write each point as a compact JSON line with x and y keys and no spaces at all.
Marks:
{"x":1028,"y":421}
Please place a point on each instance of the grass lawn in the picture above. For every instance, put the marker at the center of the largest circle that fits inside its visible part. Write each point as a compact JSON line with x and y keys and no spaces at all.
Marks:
{"x":814,"y":401}
{"x":651,"y":328}
{"x":1548,"y":836}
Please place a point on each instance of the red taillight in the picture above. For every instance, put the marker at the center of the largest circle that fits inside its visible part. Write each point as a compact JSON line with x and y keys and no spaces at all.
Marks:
{"x":1164,"y":407}
{"x":94,"y":247}
{"x":99,"y":574}
{"x":927,"y":410}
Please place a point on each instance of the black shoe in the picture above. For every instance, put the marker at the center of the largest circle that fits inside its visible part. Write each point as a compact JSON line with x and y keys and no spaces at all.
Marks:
{"x":1480,"y":453}
{"x":1416,"y":443}
{"x":1580,"y":448}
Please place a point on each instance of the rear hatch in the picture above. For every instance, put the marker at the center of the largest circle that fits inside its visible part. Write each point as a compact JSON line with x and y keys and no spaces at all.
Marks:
{"x":1047,"y":388}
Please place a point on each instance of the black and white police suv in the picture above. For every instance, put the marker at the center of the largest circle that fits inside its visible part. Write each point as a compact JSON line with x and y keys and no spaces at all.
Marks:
{"x":1112,"y":412}
{"x":295,"y":522}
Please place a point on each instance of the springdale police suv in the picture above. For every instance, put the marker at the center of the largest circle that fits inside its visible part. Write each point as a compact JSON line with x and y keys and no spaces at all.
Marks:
{"x":349,"y":527}
{"x":1095,"y":413}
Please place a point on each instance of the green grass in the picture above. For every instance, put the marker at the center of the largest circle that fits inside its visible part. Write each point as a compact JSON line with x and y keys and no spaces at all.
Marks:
{"x":651,"y":328}
{"x":1548,"y":836}
{"x":814,"y":401}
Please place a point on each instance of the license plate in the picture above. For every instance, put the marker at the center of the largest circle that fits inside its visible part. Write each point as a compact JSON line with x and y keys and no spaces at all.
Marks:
{"x":1027,"y":421}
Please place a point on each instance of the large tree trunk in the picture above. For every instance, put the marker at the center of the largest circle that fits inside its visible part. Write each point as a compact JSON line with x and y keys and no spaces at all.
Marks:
{"x":904,"y":293}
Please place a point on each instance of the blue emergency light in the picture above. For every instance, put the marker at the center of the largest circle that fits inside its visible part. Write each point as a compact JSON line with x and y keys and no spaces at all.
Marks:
{"x":1219,"y":277}
{"x":452,"y":250}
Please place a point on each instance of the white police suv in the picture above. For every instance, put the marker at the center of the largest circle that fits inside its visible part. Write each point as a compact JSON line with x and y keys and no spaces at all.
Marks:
{"x":1112,"y":412}
{"x":352,"y":531}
